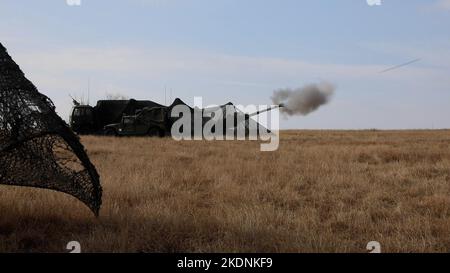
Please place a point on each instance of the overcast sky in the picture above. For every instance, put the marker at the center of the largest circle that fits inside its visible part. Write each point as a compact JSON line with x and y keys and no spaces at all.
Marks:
{"x":240,"y":51}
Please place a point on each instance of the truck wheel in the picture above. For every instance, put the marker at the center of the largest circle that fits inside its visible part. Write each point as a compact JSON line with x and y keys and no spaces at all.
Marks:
{"x":110,"y":132}
{"x":83,"y":130}
{"x":155,"y":132}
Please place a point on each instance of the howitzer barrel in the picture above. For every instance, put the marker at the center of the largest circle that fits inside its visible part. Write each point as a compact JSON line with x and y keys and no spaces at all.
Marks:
{"x":266,"y":110}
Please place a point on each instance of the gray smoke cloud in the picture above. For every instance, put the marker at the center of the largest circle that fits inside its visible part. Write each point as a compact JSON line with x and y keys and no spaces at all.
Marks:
{"x":303,"y":100}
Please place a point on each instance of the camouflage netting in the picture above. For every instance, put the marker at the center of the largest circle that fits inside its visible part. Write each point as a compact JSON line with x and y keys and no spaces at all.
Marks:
{"x":37,"y":148}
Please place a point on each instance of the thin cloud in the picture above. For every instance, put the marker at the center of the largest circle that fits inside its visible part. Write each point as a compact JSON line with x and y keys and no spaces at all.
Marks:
{"x":443,"y":4}
{"x":139,"y":72}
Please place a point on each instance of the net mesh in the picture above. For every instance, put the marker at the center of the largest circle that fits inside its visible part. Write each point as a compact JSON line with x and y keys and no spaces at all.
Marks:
{"x":37,"y":148}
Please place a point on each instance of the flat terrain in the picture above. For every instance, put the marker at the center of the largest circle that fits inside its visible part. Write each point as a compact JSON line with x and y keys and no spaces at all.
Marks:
{"x":323,"y":191}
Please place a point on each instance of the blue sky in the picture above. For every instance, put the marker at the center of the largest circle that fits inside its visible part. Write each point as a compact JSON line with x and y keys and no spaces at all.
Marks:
{"x":240,"y":51}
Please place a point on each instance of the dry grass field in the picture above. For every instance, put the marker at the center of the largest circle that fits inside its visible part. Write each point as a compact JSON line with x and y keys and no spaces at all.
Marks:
{"x":323,"y":191}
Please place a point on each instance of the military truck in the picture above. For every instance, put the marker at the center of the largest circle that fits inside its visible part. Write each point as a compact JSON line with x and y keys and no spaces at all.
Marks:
{"x":86,"y":119}
{"x":150,"y":121}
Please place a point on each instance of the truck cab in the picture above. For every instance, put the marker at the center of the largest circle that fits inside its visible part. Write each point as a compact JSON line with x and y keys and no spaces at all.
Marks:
{"x":148,"y":122}
{"x":82,"y":119}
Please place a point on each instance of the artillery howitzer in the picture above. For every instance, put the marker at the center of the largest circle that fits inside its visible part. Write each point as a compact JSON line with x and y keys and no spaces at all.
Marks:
{"x":156,"y":121}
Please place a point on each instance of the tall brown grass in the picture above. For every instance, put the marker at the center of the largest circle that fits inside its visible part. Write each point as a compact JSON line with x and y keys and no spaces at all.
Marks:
{"x":323,"y":191}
